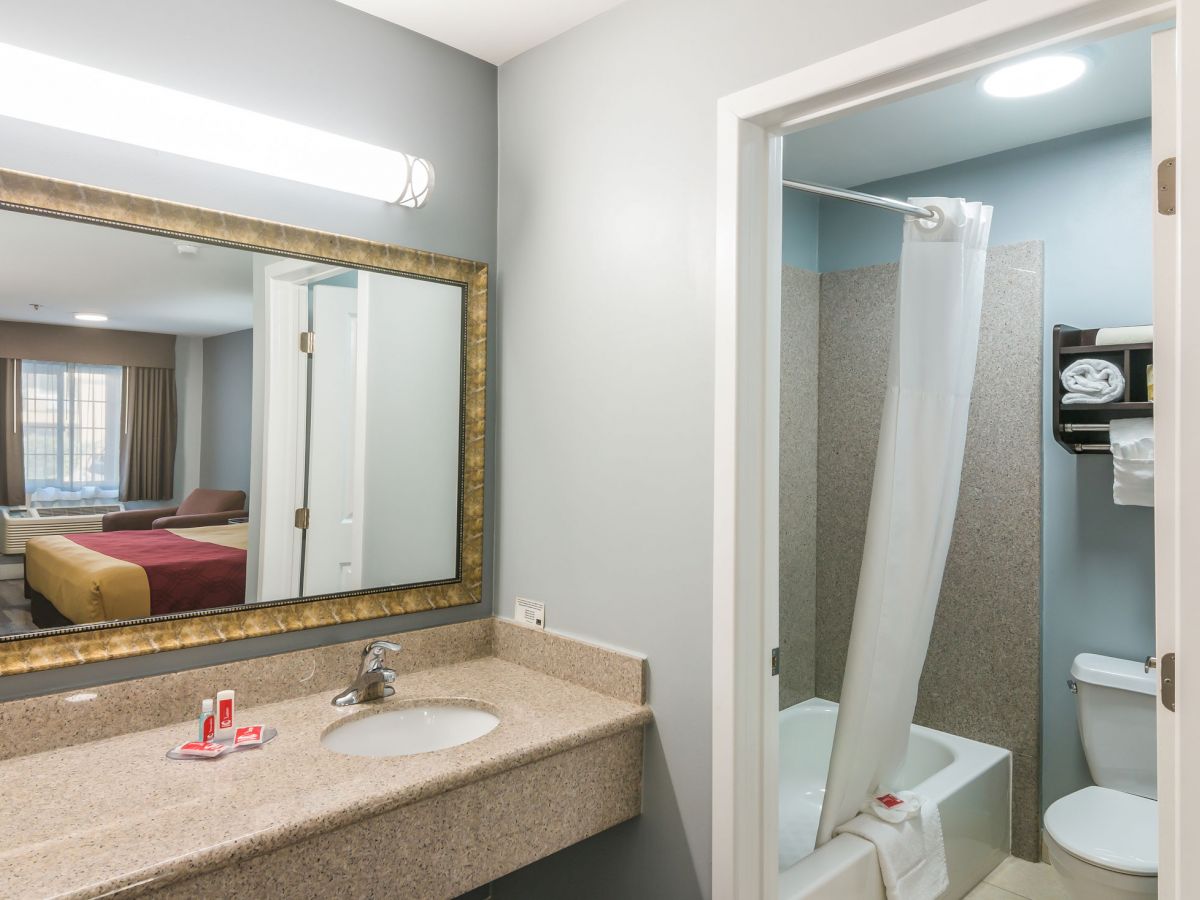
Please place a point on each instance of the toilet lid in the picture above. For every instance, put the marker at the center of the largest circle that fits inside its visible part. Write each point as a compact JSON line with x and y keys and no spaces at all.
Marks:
{"x":1107,"y":828}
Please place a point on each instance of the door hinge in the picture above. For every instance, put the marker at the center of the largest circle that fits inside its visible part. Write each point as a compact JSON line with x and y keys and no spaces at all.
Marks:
{"x":302,"y":517}
{"x":1166,"y":186}
{"x":308,"y":340}
{"x":1166,"y":680}
{"x":775,"y":661}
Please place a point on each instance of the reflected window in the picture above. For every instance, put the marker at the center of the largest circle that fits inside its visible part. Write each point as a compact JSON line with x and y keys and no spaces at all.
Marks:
{"x":71,"y":415}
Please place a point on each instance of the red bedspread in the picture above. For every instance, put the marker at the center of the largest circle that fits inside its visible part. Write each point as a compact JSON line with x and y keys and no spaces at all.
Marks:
{"x":184,"y":574}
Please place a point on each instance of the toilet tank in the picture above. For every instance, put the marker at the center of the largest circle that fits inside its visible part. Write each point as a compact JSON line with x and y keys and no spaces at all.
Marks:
{"x":1116,"y":721}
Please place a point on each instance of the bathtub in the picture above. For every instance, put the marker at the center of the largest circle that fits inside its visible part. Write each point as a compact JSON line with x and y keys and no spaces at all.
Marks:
{"x":970,"y":781}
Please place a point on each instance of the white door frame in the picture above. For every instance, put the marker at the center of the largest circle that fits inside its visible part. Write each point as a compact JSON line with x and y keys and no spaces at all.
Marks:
{"x":751,"y":125}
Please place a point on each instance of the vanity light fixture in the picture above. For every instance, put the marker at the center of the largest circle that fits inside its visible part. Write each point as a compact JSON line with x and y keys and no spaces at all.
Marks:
{"x":1031,"y":77}
{"x":91,"y":317}
{"x":74,"y":97}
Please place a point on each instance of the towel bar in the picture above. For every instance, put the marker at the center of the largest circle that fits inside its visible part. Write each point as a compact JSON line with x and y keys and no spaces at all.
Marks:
{"x":1084,"y":448}
{"x":1071,"y":428}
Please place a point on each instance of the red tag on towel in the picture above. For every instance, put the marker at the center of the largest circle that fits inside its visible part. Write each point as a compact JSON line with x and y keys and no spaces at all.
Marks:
{"x":889,"y":800}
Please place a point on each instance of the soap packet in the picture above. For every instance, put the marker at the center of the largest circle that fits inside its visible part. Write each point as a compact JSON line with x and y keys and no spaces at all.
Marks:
{"x":894,"y":807}
{"x":250,"y":736}
{"x":245,"y":738}
{"x":198,"y":750}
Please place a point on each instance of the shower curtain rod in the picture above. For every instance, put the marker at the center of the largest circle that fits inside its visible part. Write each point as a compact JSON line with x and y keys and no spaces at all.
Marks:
{"x":908,"y":209}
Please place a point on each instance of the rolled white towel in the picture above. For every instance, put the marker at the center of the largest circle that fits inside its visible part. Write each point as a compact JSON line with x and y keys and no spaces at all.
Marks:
{"x":1128,"y":334}
{"x":1092,"y":381}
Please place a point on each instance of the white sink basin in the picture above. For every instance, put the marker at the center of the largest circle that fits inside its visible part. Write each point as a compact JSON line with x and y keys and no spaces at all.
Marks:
{"x":409,"y":730}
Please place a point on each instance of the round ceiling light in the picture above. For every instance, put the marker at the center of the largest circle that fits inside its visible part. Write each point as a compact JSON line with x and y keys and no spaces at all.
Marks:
{"x":91,"y":317}
{"x":1031,"y":77}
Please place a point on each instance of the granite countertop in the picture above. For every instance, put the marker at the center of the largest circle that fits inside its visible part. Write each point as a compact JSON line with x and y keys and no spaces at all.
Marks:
{"x":87,"y":820}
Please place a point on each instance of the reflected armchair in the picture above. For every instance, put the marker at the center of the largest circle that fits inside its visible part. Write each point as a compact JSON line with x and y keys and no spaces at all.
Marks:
{"x":203,"y":506}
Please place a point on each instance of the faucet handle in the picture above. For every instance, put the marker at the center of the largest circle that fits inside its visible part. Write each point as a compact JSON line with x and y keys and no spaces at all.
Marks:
{"x":377,"y":647}
{"x":372,"y":655}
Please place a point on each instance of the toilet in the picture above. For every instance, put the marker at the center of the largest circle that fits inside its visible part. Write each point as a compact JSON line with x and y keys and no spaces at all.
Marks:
{"x":1103,"y":840}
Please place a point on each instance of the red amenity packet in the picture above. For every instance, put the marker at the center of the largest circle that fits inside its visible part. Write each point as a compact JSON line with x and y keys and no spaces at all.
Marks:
{"x":248,"y":736}
{"x":201,"y":748}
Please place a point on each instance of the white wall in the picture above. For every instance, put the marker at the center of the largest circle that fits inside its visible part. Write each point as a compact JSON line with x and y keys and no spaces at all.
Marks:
{"x":606,"y":238}
{"x":189,"y":392}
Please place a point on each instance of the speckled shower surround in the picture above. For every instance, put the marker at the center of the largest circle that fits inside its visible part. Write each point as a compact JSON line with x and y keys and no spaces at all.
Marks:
{"x":982,"y":674}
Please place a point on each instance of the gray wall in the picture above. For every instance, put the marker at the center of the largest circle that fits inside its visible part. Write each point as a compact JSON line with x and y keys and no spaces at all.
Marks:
{"x":607,"y":229}
{"x":189,"y":391}
{"x":982,"y":672}
{"x":225,"y":423}
{"x":798,"y":440}
{"x":1084,"y":196}
{"x":374,"y":81}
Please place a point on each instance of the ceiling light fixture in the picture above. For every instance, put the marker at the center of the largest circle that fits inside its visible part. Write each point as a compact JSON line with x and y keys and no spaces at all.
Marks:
{"x":62,"y":94}
{"x":1031,"y":77}
{"x":91,"y":317}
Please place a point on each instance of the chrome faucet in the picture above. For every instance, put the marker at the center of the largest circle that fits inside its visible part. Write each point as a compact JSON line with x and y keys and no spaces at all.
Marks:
{"x":374,"y":679}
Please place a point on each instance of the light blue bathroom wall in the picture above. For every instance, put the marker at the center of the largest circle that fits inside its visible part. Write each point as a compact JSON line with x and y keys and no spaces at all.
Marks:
{"x":1087,"y":197}
{"x":349,"y":278}
{"x":801,"y":228}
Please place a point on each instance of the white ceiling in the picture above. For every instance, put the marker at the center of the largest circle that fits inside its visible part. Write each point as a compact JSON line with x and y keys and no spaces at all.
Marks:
{"x":491,"y":30}
{"x":961,"y":122}
{"x":140,"y":281}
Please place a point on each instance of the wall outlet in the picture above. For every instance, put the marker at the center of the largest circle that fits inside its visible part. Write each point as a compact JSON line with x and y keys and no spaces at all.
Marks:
{"x":531,"y":613}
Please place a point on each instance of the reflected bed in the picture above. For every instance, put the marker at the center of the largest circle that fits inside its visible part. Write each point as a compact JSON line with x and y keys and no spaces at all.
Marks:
{"x":87,"y":578}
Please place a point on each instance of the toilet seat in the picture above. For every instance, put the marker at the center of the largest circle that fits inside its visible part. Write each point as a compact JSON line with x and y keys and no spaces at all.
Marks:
{"x":1107,"y":828}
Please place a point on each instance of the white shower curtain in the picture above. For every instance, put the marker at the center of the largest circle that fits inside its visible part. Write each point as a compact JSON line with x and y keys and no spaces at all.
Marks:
{"x":931,"y":368}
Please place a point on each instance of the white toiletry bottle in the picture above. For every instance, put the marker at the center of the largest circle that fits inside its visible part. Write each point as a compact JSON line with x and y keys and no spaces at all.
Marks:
{"x":225,"y":715}
{"x":208,"y":721}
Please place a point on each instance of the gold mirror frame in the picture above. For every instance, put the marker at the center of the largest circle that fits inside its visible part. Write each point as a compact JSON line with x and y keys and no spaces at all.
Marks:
{"x":22,"y":192}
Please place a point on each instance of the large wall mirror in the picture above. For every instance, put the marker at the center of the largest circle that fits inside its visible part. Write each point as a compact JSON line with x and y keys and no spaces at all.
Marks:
{"x":217,"y":427}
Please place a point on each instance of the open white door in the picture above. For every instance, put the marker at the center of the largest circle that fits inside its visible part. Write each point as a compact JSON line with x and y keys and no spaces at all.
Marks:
{"x":277,"y":475}
{"x":1166,"y":360}
{"x":1176,"y":113}
{"x":277,"y":478}
{"x":332,"y":548}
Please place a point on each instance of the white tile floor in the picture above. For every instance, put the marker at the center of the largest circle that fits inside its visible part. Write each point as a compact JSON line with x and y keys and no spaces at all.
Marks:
{"x":1016,"y":878}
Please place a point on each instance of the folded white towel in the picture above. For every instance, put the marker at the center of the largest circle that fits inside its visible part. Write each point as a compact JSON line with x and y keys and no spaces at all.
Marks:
{"x":912,"y":853}
{"x":1130,"y":334}
{"x":1092,"y":381}
{"x":1132,"y":442}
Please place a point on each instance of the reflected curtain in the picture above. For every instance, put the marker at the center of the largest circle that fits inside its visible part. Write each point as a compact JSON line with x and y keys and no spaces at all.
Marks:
{"x":149,"y":419}
{"x":914,"y":498}
{"x":12,"y":449}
